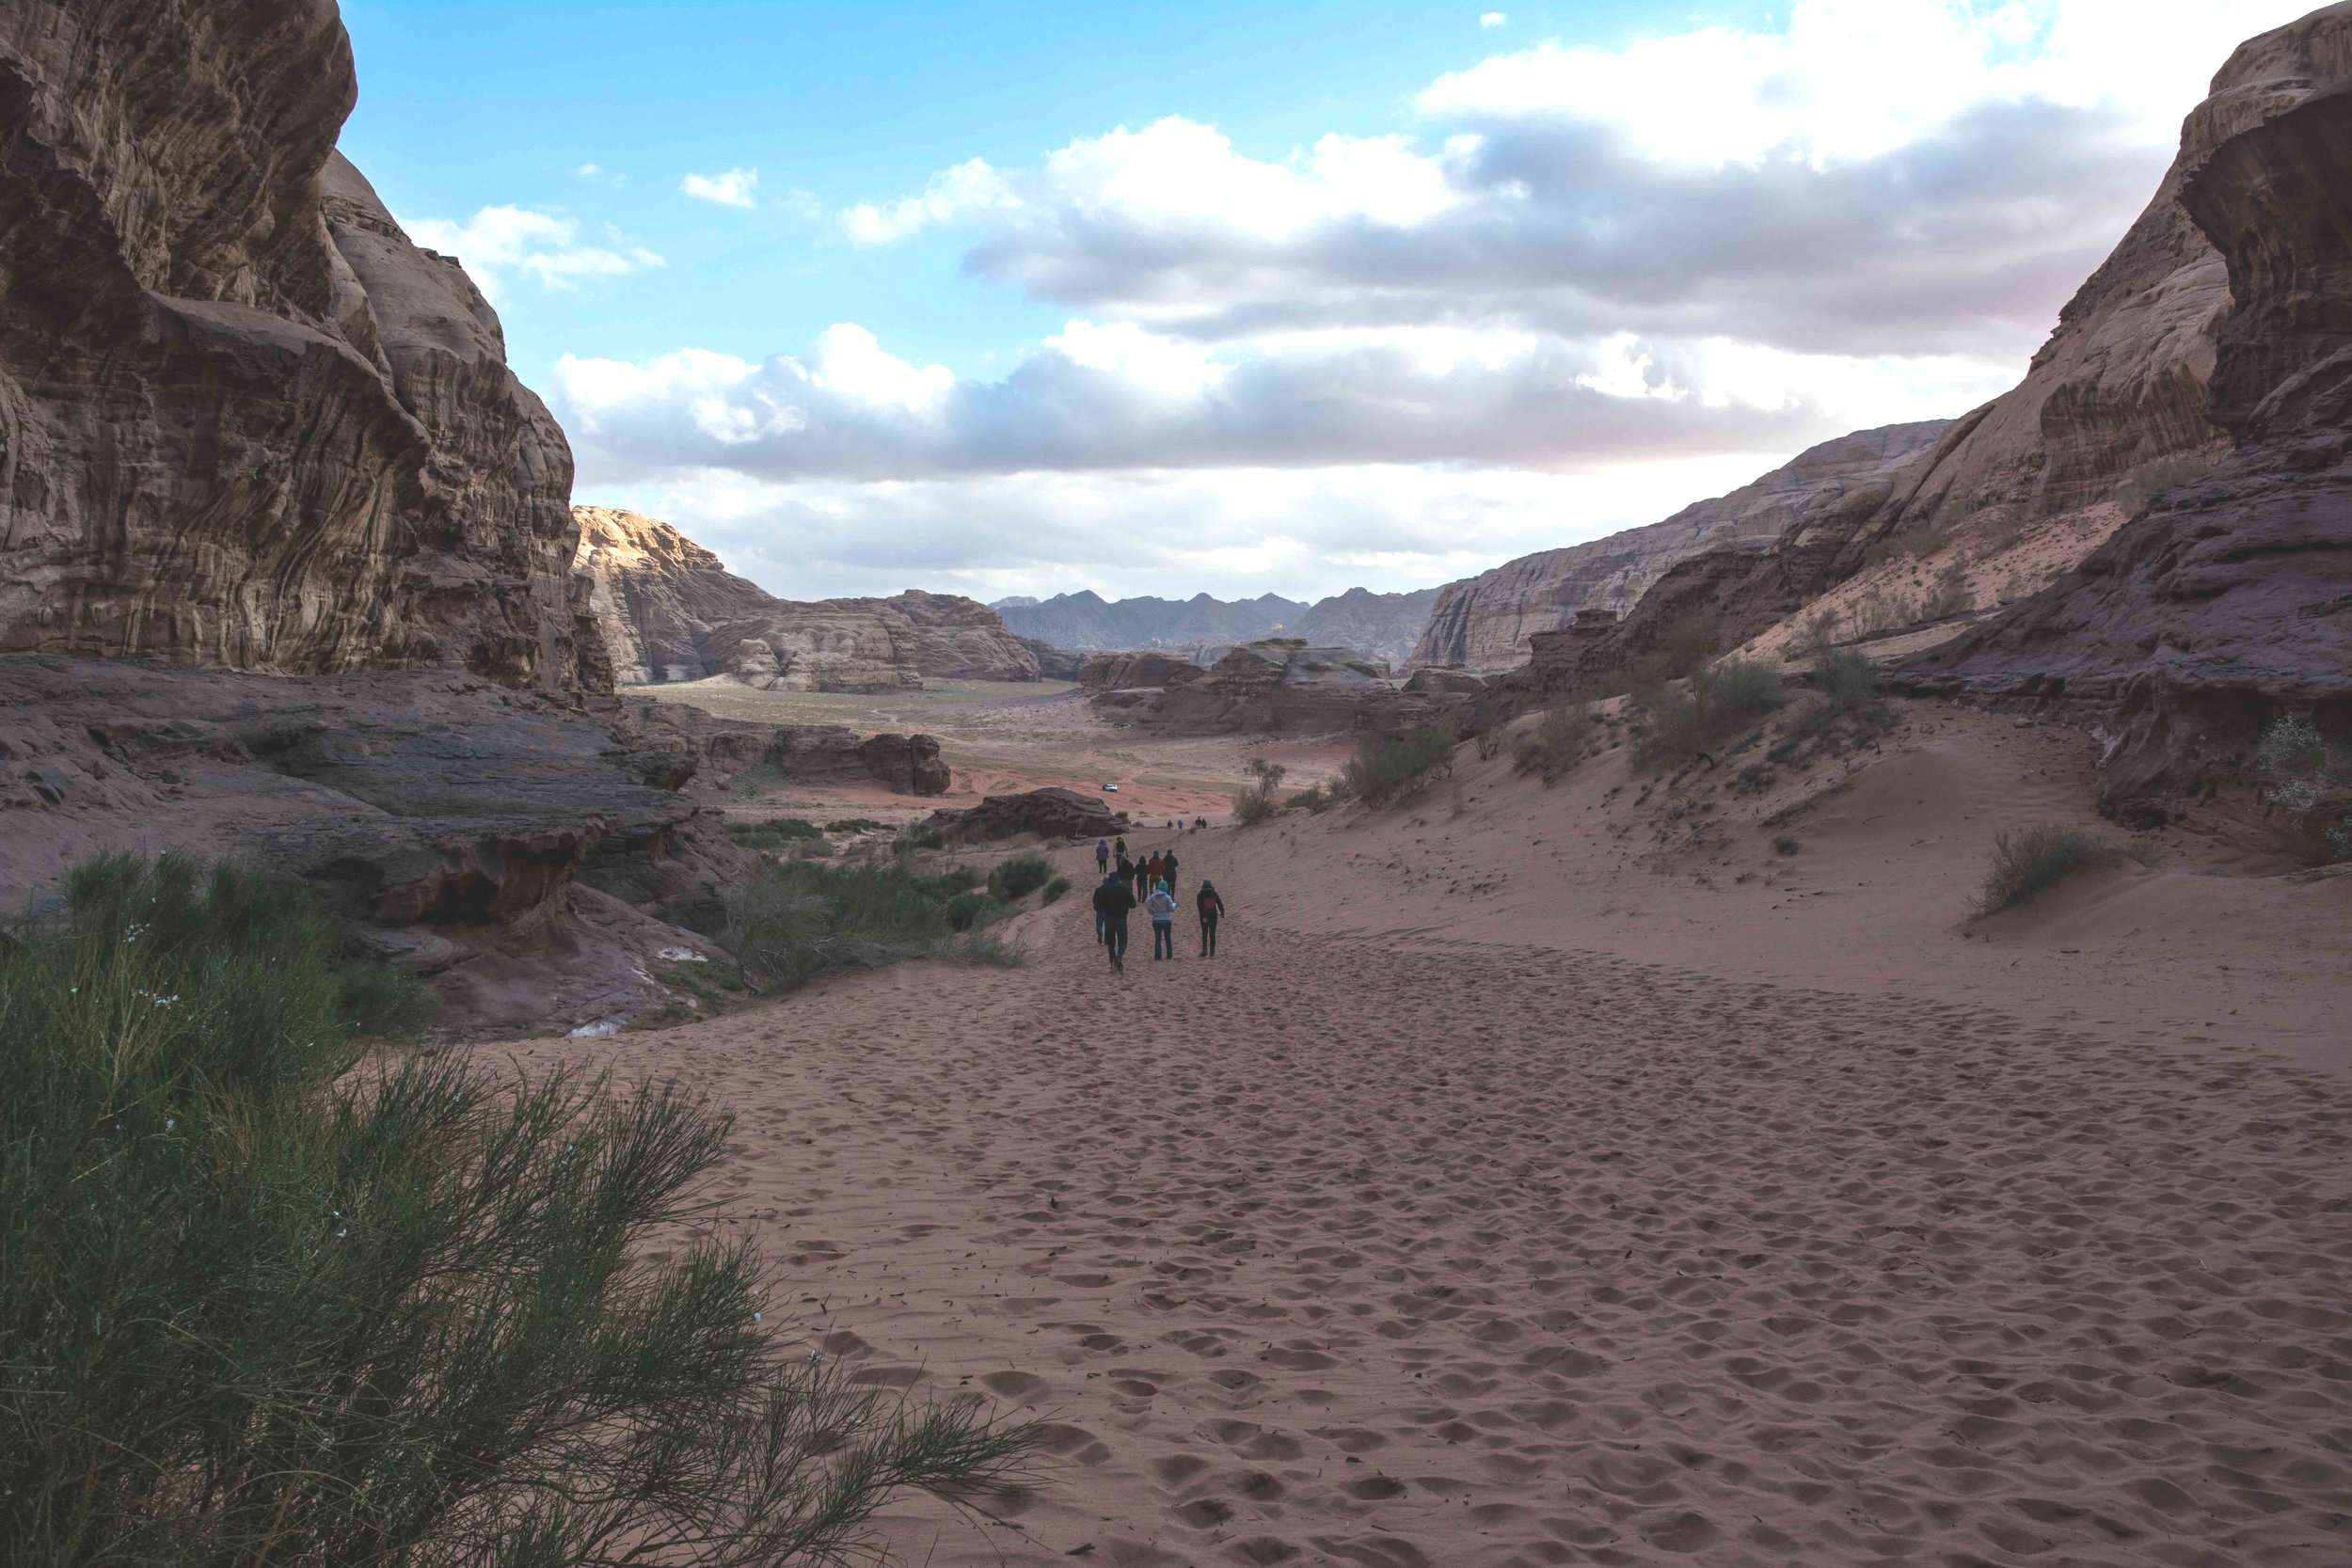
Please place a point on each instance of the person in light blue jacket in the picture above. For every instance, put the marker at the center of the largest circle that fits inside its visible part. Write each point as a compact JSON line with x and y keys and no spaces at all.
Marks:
{"x":1162,"y":906}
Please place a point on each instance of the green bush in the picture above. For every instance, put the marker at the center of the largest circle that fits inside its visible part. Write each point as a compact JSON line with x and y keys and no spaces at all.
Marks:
{"x":266,"y":1299}
{"x":1786,"y":844}
{"x":967,"y":909}
{"x":855,"y":825}
{"x":1314,"y":797}
{"x":1055,"y":889}
{"x":1679,"y":651}
{"x":792,"y":921}
{"x":777,"y":833}
{"x":1396,"y":768}
{"x":1679,"y":724}
{"x":1020,"y":876}
{"x":2027,"y":863}
{"x":1846,"y":680}
{"x":1256,"y":803}
{"x":1951,"y":594}
{"x":2304,"y":778}
{"x":1555,"y":745}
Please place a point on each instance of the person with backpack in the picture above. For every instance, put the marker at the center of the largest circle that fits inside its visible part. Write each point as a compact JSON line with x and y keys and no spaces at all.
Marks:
{"x":1101,"y":857}
{"x":1143,"y":879}
{"x":1121,"y":848}
{"x":1167,"y":867}
{"x":1112,"y":901}
{"x":1212,"y":909}
{"x":1161,"y":908}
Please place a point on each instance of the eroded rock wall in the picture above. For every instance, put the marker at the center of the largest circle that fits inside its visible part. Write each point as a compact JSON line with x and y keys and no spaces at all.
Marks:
{"x":243,"y":421}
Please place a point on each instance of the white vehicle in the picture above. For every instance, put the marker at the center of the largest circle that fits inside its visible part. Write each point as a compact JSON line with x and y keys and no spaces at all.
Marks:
{"x":1110,"y":789}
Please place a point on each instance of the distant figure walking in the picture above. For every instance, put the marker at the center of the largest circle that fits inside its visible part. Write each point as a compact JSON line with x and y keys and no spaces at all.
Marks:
{"x":1143,"y":879}
{"x":1126,"y":868}
{"x":1121,"y":848}
{"x":1162,"y":905}
{"x":1212,"y":909}
{"x":1112,"y":901}
{"x":1101,"y":857}
{"x":1167,"y":868}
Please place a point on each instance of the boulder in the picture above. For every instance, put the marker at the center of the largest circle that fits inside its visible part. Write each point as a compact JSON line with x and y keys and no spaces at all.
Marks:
{"x":245,"y":422}
{"x":2229,"y":600}
{"x":1052,"y":813}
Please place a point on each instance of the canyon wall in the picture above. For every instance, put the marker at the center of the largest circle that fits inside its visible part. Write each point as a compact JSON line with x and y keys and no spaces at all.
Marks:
{"x":244,"y":422}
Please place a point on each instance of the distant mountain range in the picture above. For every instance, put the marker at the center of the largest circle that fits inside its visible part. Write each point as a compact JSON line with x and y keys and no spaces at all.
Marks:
{"x":1385,"y":626}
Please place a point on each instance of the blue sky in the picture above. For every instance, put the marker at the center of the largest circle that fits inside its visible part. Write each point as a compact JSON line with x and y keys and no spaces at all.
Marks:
{"x":1025,"y":298}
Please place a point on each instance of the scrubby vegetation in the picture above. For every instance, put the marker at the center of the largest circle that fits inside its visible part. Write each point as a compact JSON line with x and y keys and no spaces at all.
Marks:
{"x":1257,"y":803}
{"x":1398,"y":766}
{"x":793,"y":921}
{"x":1020,"y":876}
{"x":1679,"y":723}
{"x":2304,"y":778}
{"x":2150,"y":480}
{"x":267,"y":1299}
{"x":1680,"y":650}
{"x":1556,"y":744}
{"x":777,"y":833}
{"x":1911,"y":544}
{"x":2039,"y":858}
{"x":855,"y":825}
{"x":1314,"y":798}
{"x":1055,"y":890}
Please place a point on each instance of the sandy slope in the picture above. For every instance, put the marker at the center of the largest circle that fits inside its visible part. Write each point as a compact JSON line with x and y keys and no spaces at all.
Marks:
{"x":1419,"y":1229}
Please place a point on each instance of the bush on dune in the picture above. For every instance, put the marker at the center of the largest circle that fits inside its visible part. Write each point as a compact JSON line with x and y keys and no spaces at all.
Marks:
{"x":2036,"y":859}
{"x":1055,"y":890}
{"x":790,"y":921}
{"x":1398,"y":766}
{"x":1020,"y":876}
{"x":1680,"y":723}
{"x":1556,"y":744}
{"x":1257,"y":803}
{"x":266,"y":1300}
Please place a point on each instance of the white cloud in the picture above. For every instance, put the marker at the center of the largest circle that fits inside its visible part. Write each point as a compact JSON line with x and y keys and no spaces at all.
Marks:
{"x":542,"y":245}
{"x":732,"y":189}
{"x":589,"y":171}
{"x":1493,"y":19}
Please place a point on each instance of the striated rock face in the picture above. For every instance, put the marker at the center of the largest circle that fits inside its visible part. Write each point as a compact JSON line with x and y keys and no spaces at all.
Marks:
{"x":2232,"y":597}
{"x":1280,"y":684}
{"x":1136,"y":671}
{"x":1486,"y":623}
{"x":2120,"y":390}
{"x":664,"y":608}
{"x":243,"y":421}
{"x":1052,"y":813}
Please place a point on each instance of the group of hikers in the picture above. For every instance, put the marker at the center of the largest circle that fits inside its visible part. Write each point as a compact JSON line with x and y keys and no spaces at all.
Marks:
{"x":1150,"y":882}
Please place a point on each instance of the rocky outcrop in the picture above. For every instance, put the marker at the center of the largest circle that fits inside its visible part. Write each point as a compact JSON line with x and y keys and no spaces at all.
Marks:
{"x":2119,"y":393}
{"x":2231,"y":598}
{"x":1137,"y":671}
{"x":665,"y":610}
{"x":244,"y":422}
{"x":1486,"y":623}
{"x":531,"y":853}
{"x":1049,"y":813}
{"x":1281,"y":685}
{"x":1386,"y":625}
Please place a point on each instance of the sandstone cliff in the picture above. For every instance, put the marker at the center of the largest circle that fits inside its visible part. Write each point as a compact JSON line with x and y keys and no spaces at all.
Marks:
{"x":1484,"y":622}
{"x":1282,"y":685}
{"x":243,"y":421}
{"x":2119,"y":391}
{"x":664,"y":608}
{"x":2231,"y":598}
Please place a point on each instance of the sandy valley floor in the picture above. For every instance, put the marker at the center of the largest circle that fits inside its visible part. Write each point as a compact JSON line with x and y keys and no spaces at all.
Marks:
{"x":1517,"y":1188}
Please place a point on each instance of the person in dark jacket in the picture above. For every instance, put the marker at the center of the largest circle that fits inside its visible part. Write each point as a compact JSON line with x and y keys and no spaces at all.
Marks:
{"x":1212,"y":909}
{"x":1167,"y":868}
{"x":1101,"y":857}
{"x":1112,"y":901}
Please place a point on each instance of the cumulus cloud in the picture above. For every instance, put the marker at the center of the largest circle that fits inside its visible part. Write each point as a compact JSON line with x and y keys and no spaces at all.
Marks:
{"x":732,"y":189}
{"x":500,"y":242}
{"x":1493,"y":19}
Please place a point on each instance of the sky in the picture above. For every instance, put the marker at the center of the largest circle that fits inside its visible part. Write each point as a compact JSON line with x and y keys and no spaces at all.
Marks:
{"x":1229,"y":298}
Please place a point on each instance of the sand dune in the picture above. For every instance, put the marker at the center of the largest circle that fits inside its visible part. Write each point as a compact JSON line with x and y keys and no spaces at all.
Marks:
{"x":1446,"y":1247}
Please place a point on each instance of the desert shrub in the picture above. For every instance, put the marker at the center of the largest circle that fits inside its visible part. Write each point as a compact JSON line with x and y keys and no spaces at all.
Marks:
{"x":1911,"y":544}
{"x":2150,"y":480}
{"x":266,"y":1300}
{"x":1816,"y":630}
{"x":1054,"y":890}
{"x":917,"y":835}
{"x":1490,"y":727}
{"x":1020,"y":876}
{"x":1257,"y":802}
{"x":1312,"y":798}
{"x":777,"y":833}
{"x":1680,"y":650}
{"x":1785,"y":843}
{"x":1882,"y":609}
{"x":967,"y":909}
{"x":2304,"y":777}
{"x":855,"y":825}
{"x":1742,"y":688}
{"x":792,"y":921}
{"x":1680,"y":723}
{"x":1554,"y":745}
{"x":1398,"y":766}
{"x":1950,"y":594}
{"x":2040,"y":857}
{"x":1846,"y":680}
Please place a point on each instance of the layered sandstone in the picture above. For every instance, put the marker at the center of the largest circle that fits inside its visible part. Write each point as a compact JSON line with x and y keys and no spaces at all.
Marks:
{"x":244,"y":422}
{"x":665,"y":608}
{"x":1282,"y":685}
{"x":1144,"y":668}
{"x":1486,"y":623}
{"x":2231,"y":600}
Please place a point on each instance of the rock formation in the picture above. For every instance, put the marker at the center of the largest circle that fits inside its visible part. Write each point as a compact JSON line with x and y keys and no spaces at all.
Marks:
{"x":244,"y":422}
{"x":1484,"y":622}
{"x":1146,"y":668}
{"x":1385,"y":626}
{"x":2119,"y":391}
{"x":1282,"y":685}
{"x":666,"y":610}
{"x":2231,"y":598}
{"x":1052,"y":813}
{"x":533,"y":853}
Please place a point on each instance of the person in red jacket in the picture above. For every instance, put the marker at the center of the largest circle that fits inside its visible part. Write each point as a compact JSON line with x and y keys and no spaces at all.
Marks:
{"x":1212,"y":909}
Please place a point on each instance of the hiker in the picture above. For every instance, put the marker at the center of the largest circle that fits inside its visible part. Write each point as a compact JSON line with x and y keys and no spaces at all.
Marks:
{"x":1167,"y":868}
{"x":1212,"y":909}
{"x":1101,"y":857}
{"x":1143,"y":880}
{"x":1121,"y":848}
{"x":1112,"y":901}
{"x":1126,"y":867}
{"x":1162,"y":905}
{"x":1155,"y":870}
